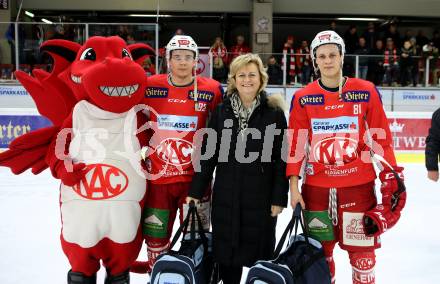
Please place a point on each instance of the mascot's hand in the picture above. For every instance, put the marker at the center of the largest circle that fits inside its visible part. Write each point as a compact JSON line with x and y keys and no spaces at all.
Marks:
{"x":72,"y":176}
{"x":384,"y":216}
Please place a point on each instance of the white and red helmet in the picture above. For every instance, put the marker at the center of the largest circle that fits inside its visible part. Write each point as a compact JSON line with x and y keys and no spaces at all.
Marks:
{"x":326,"y":37}
{"x":182,"y":42}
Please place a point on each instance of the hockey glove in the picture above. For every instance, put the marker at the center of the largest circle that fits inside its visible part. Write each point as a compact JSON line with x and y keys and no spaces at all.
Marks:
{"x":384,"y":216}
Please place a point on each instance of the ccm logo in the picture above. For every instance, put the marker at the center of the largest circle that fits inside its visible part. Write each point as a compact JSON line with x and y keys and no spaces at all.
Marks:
{"x":391,"y":176}
{"x":334,"y":107}
{"x":102,"y":181}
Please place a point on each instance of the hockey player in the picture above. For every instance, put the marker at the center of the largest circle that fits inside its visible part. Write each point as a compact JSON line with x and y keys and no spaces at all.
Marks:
{"x":181,"y":103}
{"x":342,"y":123}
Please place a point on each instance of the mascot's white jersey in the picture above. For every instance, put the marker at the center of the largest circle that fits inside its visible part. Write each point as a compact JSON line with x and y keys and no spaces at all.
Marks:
{"x":106,"y":202}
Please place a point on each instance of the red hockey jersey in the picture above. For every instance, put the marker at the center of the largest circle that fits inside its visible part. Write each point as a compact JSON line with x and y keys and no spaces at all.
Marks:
{"x":176,"y":120}
{"x":329,"y":143}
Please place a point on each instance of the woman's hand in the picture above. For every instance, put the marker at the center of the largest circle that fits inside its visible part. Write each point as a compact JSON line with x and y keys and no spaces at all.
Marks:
{"x":295,"y":195}
{"x":433,"y":175}
{"x":189,"y":199}
{"x":275,"y":210}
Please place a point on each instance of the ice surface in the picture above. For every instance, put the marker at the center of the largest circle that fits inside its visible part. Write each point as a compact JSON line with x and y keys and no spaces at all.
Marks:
{"x":30,"y":250}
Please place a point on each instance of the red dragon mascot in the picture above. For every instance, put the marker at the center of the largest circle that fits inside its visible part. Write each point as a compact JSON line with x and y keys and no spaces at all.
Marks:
{"x":93,"y":147}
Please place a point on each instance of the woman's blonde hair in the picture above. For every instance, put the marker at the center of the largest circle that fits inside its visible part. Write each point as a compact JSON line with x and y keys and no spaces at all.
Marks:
{"x":241,"y":61}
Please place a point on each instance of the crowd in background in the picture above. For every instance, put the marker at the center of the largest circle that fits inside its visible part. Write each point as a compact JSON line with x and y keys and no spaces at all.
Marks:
{"x":381,"y":53}
{"x":383,"y":56}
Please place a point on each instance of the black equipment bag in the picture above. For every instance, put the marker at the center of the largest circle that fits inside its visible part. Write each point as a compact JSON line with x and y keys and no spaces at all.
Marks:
{"x":192,"y":263}
{"x":301,"y":262}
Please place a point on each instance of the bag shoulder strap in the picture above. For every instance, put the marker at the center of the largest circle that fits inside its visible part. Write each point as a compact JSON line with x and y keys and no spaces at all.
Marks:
{"x":288,"y":231}
{"x":182,"y":227}
{"x":194,"y":215}
{"x":294,"y":223}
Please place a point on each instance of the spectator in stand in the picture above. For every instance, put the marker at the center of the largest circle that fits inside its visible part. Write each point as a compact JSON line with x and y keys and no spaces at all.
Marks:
{"x":436,"y":45}
{"x":351,"y":40}
{"x":274,"y":72}
{"x":130,"y":39}
{"x":303,"y":62}
{"x":69,"y":33}
{"x":179,"y":31}
{"x":333,"y":27}
{"x":408,"y":35}
{"x":363,"y":53}
{"x":432,"y":53}
{"x":391,"y":63}
{"x":240,"y":48}
{"x":289,"y":51}
{"x":406,"y":63}
{"x":415,"y":50}
{"x":394,"y":34}
{"x":219,"y":60}
{"x":376,"y":63}
{"x":422,"y":40}
{"x":149,"y":67}
{"x":123,"y":32}
{"x":59,"y":32}
{"x":436,"y":38}
{"x":370,"y":36}
{"x":415,"y":45}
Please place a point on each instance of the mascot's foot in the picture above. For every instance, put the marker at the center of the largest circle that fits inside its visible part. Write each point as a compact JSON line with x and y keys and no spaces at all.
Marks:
{"x":79,"y":278}
{"x":123,"y":278}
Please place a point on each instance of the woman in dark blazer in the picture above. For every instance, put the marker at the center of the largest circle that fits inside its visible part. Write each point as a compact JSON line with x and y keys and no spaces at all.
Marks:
{"x":250,"y":187}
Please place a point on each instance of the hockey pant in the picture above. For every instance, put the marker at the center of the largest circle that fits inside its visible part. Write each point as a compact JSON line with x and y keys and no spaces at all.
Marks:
{"x":334,"y":215}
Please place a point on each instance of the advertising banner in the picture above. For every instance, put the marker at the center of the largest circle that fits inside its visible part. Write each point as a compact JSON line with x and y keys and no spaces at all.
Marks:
{"x":13,"y":126}
{"x":416,"y":100}
{"x":409,"y":130}
{"x":13,"y":90}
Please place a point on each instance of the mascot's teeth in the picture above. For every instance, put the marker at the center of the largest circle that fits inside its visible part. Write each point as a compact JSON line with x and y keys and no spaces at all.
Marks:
{"x":119,"y":91}
{"x":75,"y":79}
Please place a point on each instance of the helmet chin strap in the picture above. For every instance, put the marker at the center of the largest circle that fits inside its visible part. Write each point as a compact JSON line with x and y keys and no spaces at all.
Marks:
{"x":341,"y":81}
{"x":196,"y":95}
{"x":341,"y":76}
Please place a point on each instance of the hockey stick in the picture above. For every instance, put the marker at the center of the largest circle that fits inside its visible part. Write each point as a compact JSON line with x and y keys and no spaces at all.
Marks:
{"x":377,"y":159}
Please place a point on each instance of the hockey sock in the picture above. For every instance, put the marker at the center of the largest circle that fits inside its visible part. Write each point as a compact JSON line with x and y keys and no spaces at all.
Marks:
{"x":363,"y":264}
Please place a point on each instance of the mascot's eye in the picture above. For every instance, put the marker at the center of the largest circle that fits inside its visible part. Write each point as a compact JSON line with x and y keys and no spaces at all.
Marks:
{"x":88,"y":54}
{"x":125,"y":53}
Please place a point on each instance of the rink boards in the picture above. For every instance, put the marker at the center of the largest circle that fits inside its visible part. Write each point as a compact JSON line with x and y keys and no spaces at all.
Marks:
{"x":409,"y":113}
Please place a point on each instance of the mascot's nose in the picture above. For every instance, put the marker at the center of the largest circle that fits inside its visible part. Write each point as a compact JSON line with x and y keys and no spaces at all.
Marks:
{"x":112,"y":60}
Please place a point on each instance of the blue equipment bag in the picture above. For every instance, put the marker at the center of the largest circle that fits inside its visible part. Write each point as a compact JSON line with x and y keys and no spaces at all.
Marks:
{"x":302,"y":262}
